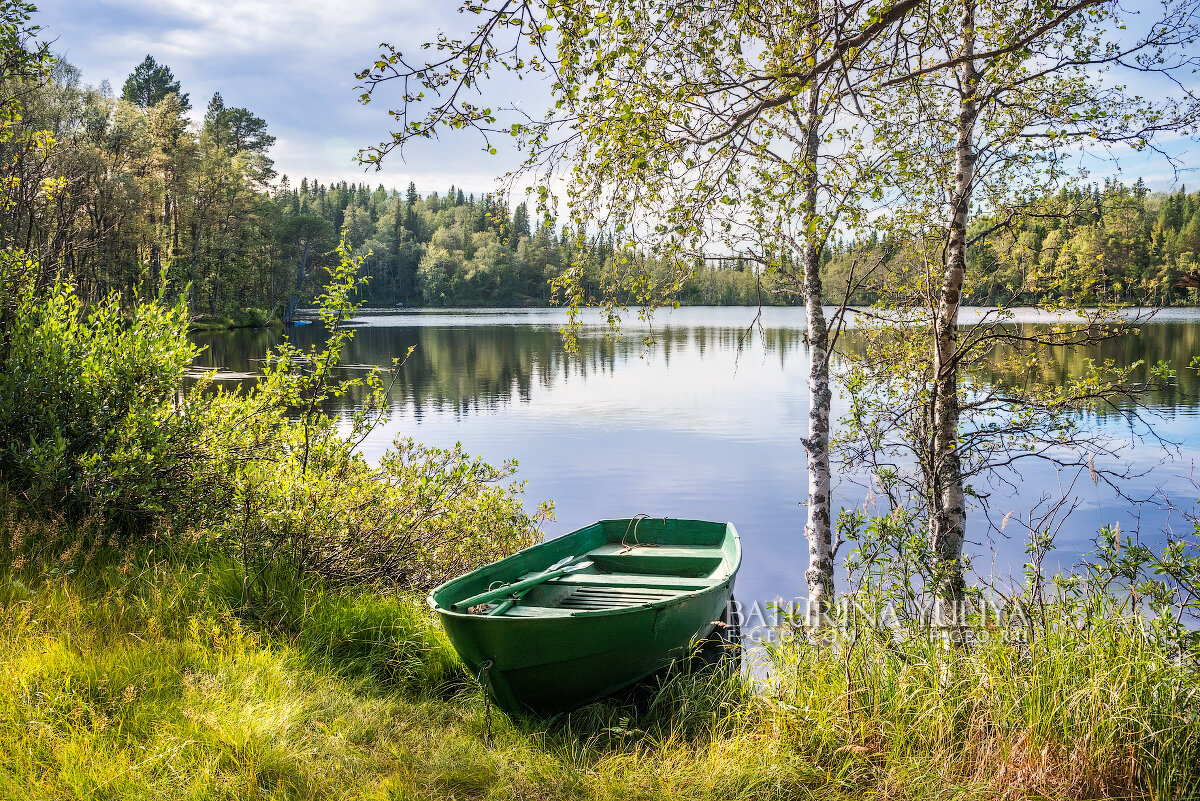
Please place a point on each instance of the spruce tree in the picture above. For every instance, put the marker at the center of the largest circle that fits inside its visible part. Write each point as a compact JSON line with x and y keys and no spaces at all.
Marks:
{"x":150,"y":82}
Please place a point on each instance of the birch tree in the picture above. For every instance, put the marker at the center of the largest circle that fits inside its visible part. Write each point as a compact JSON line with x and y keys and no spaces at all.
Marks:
{"x":687,"y":127}
{"x":988,"y":109}
{"x":690,"y":131}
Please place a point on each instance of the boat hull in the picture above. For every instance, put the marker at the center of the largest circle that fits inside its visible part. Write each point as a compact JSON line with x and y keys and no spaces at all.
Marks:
{"x":542,"y":661}
{"x":602,"y":654}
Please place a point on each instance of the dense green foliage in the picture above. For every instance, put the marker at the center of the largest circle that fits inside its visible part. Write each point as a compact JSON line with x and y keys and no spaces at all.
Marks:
{"x":132,"y":186}
{"x":96,"y":422}
{"x":1095,"y":244}
{"x":91,"y":419}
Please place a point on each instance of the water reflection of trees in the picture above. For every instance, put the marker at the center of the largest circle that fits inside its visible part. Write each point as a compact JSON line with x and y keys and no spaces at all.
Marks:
{"x":468,"y":369}
{"x":1173,"y":342}
{"x":465,"y":369}
{"x":236,"y":351}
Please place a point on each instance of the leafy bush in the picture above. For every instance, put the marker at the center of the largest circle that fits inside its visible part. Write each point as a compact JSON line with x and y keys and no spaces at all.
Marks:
{"x":92,"y":419}
{"x":95,"y":422}
{"x":306,"y":504}
{"x":423,"y":515}
{"x":252,"y":317}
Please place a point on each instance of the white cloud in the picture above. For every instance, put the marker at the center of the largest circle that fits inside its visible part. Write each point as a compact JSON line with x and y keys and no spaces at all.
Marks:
{"x":292,"y":63}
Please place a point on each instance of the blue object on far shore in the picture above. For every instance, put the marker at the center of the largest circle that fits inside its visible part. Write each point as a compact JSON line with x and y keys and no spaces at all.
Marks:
{"x":301,"y":322}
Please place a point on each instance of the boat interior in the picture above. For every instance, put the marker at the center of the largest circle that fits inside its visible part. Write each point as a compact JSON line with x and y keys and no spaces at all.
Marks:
{"x":628,"y":563}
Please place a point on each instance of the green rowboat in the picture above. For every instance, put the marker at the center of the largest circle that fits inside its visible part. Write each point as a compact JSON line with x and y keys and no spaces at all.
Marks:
{"x":581,"y":616}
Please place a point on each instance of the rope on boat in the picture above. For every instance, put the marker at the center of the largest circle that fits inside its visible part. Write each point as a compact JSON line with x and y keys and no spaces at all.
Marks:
{"x":487,"y":701}
{"x":634,"y":521}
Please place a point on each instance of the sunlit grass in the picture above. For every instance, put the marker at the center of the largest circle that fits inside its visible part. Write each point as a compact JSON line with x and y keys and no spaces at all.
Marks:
{"x":136,"y":674}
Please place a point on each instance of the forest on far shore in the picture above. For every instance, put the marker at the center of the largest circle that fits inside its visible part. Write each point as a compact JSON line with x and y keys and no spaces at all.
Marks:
{"x":133,"y":188}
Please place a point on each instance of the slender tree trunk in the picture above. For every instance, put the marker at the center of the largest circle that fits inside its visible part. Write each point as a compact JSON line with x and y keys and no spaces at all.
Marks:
{"x":817,"y":527}
{"x":301,"y":273}
{"x":155,"y":263}
{"x":947,"y":522}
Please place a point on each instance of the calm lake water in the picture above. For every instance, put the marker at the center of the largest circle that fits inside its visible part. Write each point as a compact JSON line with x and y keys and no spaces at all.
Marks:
{"x":707,"y":422}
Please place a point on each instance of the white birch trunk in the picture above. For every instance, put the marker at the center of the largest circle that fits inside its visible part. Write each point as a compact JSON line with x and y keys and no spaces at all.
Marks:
{"x":947,"y":522}
{"x":817,"y":529}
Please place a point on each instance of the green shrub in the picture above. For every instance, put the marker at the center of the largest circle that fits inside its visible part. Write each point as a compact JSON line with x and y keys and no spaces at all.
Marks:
{"x":252,"y":317}
{"x":306,"y":504}
{"x":92,"y":419}
{"x":95,"y":423}
{"x":421,"y":516}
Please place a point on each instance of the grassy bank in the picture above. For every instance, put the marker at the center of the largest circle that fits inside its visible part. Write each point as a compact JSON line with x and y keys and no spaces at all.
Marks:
{"x":136,"y":676}
{"x":138,"y":673}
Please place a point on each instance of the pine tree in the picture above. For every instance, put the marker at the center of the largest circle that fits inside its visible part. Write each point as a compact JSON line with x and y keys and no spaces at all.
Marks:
{"x":520,"y":222}
{"x":150,"y":82}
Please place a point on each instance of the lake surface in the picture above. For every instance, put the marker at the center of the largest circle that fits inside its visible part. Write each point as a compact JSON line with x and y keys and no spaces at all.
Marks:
{"x":707,"y":422}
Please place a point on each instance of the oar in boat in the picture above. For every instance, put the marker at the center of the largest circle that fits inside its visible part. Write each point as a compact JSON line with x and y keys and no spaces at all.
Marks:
{"x":519,"y":588}
{"x":512,"y":599}
{"x":508,"y":603}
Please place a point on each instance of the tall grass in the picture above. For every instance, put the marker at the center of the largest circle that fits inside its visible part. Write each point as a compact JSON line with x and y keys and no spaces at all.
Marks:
{"x":1095,"y":713}
{"x":139,"y":673}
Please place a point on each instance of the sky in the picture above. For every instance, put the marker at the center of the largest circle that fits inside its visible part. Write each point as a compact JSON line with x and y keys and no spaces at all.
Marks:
{"x":292,"y":62}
